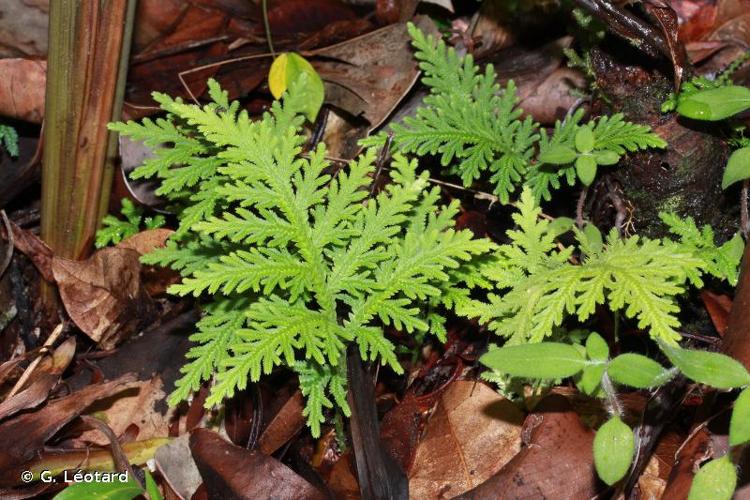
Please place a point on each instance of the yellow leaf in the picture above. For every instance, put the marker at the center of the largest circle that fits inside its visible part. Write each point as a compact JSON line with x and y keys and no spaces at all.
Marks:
{"x":287,"y":68}
{"x":277,"y":75}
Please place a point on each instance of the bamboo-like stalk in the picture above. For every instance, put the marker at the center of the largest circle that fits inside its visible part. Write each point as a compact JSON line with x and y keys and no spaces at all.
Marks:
{"x":87,"y":42}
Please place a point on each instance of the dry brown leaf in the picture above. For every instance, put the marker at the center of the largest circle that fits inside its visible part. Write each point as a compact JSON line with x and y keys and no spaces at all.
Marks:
{"x":35,"y":249}
{"x":30,"y":397}
{"x":104,"y":295}
{"x":285,"y":424}
{"x":23,"y":28}
{"x":229,"y":471}
{"x":146,"y":241}
{"x":471,"y":435}
{"x":557,"y":460}
{"x":22,"y":89}
{"x":369,"y":75}
{"x":25,"y":435}
{"x":135,"y":407}
{"x":177,"y":467}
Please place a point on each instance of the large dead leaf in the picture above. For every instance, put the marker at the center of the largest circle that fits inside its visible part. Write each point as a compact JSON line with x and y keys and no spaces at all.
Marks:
{"x":229,"y":471}
{"x":104,"y":295}
{"x":23,"y":28}
{"x":557,"y":461}
{"x":284,"y":425}
{"x":737,"y":337}
{"x":369,"y":75}
{"x":25,"y":435}
{"x":22,"y":89}
{"x":471,"y":435}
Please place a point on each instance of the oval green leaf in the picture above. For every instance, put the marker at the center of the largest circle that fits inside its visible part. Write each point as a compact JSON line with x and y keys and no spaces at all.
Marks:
{"x":591,"y":379}
{"x":596,"y":347}
{"x":547,"y":360}
{"x":638,"y":371}
{"x":116,"y":490}
{"x":715,"y":480}
{"x":586,"y":169}
{"x":286,"y":69}
{"x":614,"y":446}
{"x":739,"y":425}
{"x":715,"y":104}
{"x":557,"y":155}
{"x":585,"y":140}
{"x":606,"y":157}
{"x":738,"y":168}
{"x":560,"y":225}
{"x":710,"y":368}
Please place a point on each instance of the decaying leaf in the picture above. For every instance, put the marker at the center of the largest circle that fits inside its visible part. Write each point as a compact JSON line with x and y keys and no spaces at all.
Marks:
{"x":104,"y":295}
{"x":557,"y":461}
{"x":471,"y":435}
{"x":229,"y":471}
{"x":25,"y":435}
{"x":287,"y":422}
{"x":22,"y":89}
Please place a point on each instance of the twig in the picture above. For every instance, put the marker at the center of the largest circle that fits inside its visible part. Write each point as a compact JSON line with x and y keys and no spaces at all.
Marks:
{"x":380,"y":162}
{"x":744,"y":222}
{"x":32,"y":366}
{"x":11,"y":244}
{"x":579,"y":207}
{"x":122,"y":463}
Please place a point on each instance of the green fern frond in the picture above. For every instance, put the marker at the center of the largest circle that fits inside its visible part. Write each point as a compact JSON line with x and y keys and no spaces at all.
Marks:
{"x":114,"y":230}
{"x":9,"y":139}
{"x":538,"y":286}
{"x":318,"y":263}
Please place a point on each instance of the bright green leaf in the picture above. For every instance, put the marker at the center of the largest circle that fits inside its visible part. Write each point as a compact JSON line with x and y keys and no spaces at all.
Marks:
{"x":101,"y":491}
{"x":547,"y":360}
{"x":715,"y":104}
{"x":585,"y":140}
{"x":715,"y":481}
{"x":586,"y":169}
{"x":287,"y":68}
{"x":594,"y":237}
{"x":638,"y":371}
{"x":151,"y":488}
{"x":614,"y":446}
{"x":710,"y":368}
{"x":596,"y":347}
{"x":557,"y":155}
{"x":591,"y":379}
{"x":738,"y":168}
{"x":606,"y":157}
{"x":560,"y":225}
{"x":739,"y":426}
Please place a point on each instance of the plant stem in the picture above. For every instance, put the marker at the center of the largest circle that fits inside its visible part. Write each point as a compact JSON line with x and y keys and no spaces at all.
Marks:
{"x":579,"y":206}
{"x":613,"y":404}
{"x":267,"y":26}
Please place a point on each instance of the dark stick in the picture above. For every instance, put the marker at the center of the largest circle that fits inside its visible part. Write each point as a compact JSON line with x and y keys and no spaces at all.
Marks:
{"x":380,"y":477}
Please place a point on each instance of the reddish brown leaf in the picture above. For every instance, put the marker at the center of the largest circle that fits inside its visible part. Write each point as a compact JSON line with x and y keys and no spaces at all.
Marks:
{"x":343,"y":479}
{"x":25,"y":435}
{"x":666,"y":19}
{"x":401,"y":427}
{"x":35,"y":249}
{"x":736,"y":340}
{"x":22,"y":89}
{"x":290,"y":17}
{"x":30,"y":397}
{"x":718,"y":307}
{"x":692,"y":452}
{"x":369,"y":75}
{"x":104,"y":295}
{"x":471,"y":435}
{"x":229,"y":471}
{"x":557,"y":461}
{"x":287,"y":422}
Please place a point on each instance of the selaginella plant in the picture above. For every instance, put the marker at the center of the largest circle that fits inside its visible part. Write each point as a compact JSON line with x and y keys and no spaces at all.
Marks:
{"x":541,"y":282}
{"x":295,"y":260}
{"x":114,"y":230}
{"x":474,"y":126}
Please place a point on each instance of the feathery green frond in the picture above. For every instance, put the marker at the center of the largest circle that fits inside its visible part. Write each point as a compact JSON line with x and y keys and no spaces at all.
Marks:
{"x":310,"y":263}
{"x":538,"y":285}
{"x":114,"y":230}
{"x":478,"y":130}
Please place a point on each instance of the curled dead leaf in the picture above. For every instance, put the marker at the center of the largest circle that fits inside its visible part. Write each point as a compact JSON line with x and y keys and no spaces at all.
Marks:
{"x":103,"y":294}
{"x":22,"y":89}
{"x":471,"y":435}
